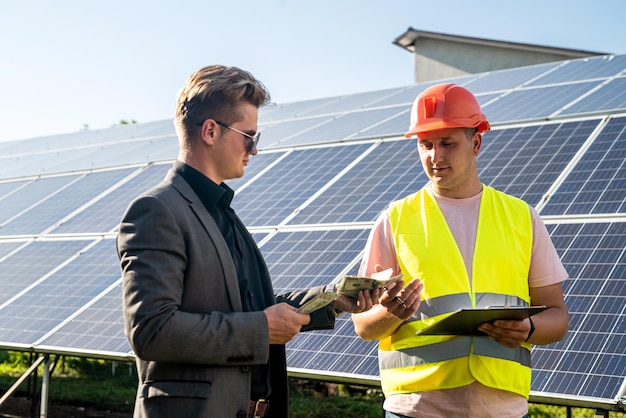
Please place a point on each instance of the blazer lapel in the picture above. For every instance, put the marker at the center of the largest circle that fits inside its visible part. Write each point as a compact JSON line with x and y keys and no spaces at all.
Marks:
{"x":211,"y":228}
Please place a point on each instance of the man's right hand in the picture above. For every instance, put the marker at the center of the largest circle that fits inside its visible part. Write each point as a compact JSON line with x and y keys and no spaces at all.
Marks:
{"x":284,"y":322}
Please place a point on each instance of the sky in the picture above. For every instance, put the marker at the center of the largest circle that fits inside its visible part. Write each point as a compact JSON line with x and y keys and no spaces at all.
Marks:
{"x":69,"y":65}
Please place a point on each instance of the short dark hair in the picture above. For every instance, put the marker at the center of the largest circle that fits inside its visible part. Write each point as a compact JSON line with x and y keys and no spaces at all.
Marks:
{"x":469,"y":133}
{"x":216,"y":92}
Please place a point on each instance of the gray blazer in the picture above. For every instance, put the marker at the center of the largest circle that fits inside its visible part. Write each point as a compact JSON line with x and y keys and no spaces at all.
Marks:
{"x":183,"y":313}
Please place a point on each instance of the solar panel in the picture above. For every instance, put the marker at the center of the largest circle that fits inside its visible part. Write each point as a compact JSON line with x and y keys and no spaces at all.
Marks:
{"x":609,"y":96}
{"x":291,"y":110}
{"x":8,"y":247}
{"x":334,"y":351}
{"x":302,"y":259}
{"x":97,"y":329}
{"x":535,"y":103}
{"x":390,"y":171}
{"x":353,"y":102}
{"x":512,"y":78}
{"x":343,"y":126}
{"x":283,"y":188}
{"x":590,"y":361}
{"x":526,"y":161}
{"x":49,"y":211}
{"x":10,"y":187}
{"x":104,"y":214}
{"x":274,"y":135}
{"x":24,"y":268}
{"x":597,"y":183}
{"x":39,"y":309}
{"x":31,"y":194}
{"x":394,"y":125}
{"x":583,"y":69}
{"x":257,"y":163}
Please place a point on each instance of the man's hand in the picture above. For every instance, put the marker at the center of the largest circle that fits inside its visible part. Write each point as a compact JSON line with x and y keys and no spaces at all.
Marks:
{"x":364,"y":301}
{"x":284,"y":322}
{"x":508,"y":332}
{"x":402,"y":302}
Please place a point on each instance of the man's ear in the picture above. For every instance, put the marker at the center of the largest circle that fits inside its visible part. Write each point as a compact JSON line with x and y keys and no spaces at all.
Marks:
{"x":209,"y":131}
{"x":477,"y":141}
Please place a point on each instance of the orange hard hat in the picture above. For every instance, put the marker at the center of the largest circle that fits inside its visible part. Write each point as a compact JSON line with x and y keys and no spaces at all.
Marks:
{"x":446,"y":106}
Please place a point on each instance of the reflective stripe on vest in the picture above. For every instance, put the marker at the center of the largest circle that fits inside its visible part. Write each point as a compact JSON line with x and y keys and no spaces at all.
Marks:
{"x":451,"y":349}
{"x":427,"y":250}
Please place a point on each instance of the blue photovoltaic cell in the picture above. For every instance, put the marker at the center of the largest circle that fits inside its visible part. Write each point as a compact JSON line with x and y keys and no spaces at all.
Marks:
{"x":50,"y":161}
{"x":584,"y":69}
{"x":299,"y":260}
{"x":590,"y":361}
{"x":105,"y":214}
{"x":508,"y":79}
{"x":258,"y":236}
{"x":6,"y":189}
{"x":391,"y":171}
{"x":61,"y":204}
{"x":139,"y":151}
{"x":256,"y":164}
{"x":343,"y":126}
{"x":404,"y":97}
{"x":282,"y":189}
{"x":100,"y":327}
{"x":525,"y":162}
{"x":36,"y":312}
{"x":7,"y":247}
{"x":29,"y":195}
{"x":610,"y":96}
{"x":353,"y":102}
{"x":31,"y":263}
{"x":597,"y":184}
{"x":397,"y":125}
{"x":284,"y":111}
{"x":274,"y":135}
{"x":334,"y":351}
{"x":535,"y":103}
{"x":407,"y":95}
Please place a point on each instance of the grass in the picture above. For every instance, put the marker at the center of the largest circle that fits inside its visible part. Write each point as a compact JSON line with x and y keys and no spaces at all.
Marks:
{"x":99,"y":384}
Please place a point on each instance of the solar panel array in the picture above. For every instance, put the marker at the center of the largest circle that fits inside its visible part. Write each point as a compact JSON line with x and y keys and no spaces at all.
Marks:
{"x":326,"y":169}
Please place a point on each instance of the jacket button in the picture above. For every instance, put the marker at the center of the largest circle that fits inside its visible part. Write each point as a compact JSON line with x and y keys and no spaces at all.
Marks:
{"x":245,"y":369}
{"x":242,"y":414}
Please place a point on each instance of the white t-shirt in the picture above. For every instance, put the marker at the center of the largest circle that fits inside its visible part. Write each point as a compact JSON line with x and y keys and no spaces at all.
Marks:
{"x":475,"y":399}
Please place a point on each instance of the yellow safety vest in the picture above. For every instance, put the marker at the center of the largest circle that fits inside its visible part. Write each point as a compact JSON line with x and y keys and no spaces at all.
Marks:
{"x":427,"y":250}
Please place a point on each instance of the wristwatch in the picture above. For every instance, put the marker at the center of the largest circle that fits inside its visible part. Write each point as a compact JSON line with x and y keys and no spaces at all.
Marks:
{"x":532,"y":328}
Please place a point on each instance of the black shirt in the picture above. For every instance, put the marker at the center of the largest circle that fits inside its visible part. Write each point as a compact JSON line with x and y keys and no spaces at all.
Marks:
{"x":252,"y":274}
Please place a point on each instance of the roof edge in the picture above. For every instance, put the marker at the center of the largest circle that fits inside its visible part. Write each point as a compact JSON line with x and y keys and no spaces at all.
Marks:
{"x":408,"y":38}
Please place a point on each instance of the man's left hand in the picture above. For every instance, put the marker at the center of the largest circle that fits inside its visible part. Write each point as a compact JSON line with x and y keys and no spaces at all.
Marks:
{"x":508,"y":332}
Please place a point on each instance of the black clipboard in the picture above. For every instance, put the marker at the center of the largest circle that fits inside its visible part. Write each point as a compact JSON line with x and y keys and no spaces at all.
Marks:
{"x":466,"y":321}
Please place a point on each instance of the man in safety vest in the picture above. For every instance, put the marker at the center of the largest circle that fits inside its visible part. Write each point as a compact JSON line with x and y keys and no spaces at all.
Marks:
{"x":459,"y":244}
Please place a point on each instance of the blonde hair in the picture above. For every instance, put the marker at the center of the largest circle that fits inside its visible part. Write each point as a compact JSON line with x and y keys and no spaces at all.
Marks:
{"x":216,"y":92}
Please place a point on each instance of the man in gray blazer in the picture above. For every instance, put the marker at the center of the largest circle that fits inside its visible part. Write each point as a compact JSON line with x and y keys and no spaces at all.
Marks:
{"x":199,"y":307}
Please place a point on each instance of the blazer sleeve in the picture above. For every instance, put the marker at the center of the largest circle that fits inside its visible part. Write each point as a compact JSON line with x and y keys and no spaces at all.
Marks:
{"x":176,"y":300}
